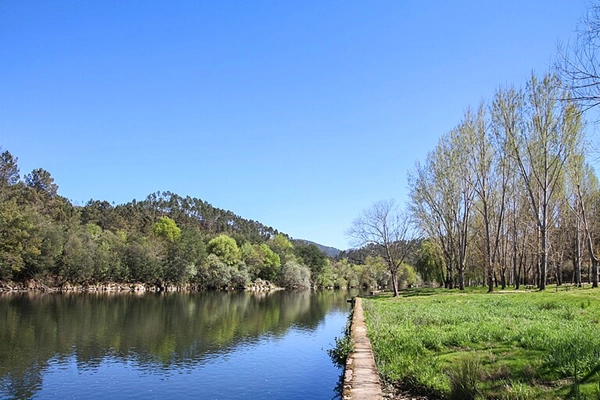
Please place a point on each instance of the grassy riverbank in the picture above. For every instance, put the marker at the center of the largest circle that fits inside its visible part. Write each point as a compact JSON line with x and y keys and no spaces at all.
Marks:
{"x":506,"y":345}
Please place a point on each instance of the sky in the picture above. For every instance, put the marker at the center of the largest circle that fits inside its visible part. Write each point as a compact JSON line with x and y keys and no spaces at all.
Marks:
{"x":297,"y":114}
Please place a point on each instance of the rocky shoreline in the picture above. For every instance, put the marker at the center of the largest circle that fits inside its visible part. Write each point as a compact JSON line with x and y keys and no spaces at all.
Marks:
{"x":113,"y":287}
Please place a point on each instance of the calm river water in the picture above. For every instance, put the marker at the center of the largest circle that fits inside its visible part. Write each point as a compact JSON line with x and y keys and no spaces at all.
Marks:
{"x":176,"y":345}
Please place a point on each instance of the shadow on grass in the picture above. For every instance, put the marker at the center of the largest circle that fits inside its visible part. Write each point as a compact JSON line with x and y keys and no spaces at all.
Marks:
{"x":414,"y":292}
{"x":595,"y":372}
{"x":574,"y":392}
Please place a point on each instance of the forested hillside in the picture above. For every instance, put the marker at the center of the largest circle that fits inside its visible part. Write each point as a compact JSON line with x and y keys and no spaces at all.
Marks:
{"x":164,"y":241}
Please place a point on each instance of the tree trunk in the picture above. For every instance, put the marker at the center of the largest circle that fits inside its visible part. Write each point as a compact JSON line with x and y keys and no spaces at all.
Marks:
{"x":544,"y":259}
{"x":395,"y":282}
{"x":516,"y":272}
{"x":490,"y":274}
{"x":450,"y":276}
{"x":578,"y":259}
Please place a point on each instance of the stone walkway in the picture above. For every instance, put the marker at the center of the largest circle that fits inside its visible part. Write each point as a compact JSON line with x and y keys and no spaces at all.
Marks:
{"x":361,"y":379}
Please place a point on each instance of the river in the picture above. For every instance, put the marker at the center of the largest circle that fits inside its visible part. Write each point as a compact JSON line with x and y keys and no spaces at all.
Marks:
{"x":177,"y":345}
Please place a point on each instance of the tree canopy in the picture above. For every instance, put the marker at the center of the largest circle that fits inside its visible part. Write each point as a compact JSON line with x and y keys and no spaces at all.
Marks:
{"x":162,"y":241}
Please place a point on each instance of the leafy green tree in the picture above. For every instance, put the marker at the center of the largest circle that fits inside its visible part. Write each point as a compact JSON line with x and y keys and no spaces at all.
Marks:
{"x":16,"y":240}
{"x":93,"y":230}
{"x":109,"y":258}
{"x":101,"y":213}
{"x":492,"y":175}
{"x":430,"y":262}
{"x":239,"y":276}
{"x":142,"y":262}
{"x":50,"y":238}
{"x":9,"y":171}
{"x":42,"y":182}
{"x":215,"y":274}
{"x":77,"y":264}
{"x":326,"y":278}
{"x":443,"y":197}
{"x":225,"y":247}
{"x":407,"y":276}
{"x":346,"y":274}
{"x":184,"y":258}
{"x":251,"y":257}
{"x":271,"y":263}
{"x":281,"y":245}
{"x":167,"y":228}
{"x":375,"y":272}
{"x":312,"y":256}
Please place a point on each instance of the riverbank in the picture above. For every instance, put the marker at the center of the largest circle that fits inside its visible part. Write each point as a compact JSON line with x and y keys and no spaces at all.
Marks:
{"x":506,"y":345}
{"x":113,"y":287}
{"x":361,"y":379}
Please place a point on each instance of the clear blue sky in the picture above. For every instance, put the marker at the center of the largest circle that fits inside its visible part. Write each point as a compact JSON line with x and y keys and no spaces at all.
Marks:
{"x":298,"y":114}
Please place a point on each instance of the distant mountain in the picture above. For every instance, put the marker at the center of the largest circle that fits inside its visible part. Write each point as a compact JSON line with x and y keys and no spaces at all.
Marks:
{"x":330,"y":251}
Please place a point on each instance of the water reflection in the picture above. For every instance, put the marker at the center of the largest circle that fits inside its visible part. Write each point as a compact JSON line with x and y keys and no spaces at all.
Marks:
{"x":154,"y":333}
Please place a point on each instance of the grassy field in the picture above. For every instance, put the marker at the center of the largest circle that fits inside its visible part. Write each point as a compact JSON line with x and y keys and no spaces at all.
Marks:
{"x":474,"y":345}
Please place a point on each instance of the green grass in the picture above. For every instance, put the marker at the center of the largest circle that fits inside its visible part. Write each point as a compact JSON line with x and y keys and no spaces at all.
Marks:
{"x":506,"y":345}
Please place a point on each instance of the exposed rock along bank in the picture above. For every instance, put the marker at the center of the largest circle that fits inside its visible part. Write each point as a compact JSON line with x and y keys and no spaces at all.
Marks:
{"x":112,"y":287}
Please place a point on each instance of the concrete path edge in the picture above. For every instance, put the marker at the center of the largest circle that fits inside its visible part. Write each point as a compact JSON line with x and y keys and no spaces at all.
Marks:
{"x":361,"y":379}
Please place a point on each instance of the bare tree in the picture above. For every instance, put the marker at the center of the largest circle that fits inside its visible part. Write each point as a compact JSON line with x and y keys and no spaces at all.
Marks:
{"x":586,"y":191}
{"x":431,"y":190}
{"x":443,"y":195}
{"x":492,"y":173}
{"x":540,"y":148}
{"x":578,"y":61}
{"x":387,"y":229}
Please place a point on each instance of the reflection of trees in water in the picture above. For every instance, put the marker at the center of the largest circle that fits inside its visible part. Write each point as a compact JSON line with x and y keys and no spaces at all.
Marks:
{"x":180,"y":329}
{"x":24,"y":385}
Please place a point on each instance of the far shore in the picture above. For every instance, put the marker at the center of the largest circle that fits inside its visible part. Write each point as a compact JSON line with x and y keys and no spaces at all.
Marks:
{"x":113,"y":287}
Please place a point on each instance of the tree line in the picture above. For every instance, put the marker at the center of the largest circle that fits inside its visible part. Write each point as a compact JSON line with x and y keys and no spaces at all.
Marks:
{"x":165,"y":241}
{"x":507,"y":197}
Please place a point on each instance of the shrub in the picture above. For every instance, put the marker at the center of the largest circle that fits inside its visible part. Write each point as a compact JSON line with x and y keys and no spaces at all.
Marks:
{"x":464,"y":378}
{"x":295,"y":276}
{"x":343,"y":346}
{"x":518,"y":391}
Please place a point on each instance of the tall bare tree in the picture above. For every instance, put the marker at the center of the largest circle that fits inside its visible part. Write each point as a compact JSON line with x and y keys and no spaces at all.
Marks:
{"x":387,"y":229}
{"x":442,"y":197}
{"x":540,"y":147}
{"x":585,"y":191}
{"x":492,"y":173}
{"x":578,"y":61}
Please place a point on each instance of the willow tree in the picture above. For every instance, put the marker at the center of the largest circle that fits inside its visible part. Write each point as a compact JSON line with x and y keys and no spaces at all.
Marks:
{"x":386,"y":229}
{"x":540,"y":146}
